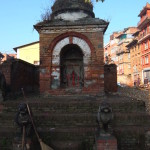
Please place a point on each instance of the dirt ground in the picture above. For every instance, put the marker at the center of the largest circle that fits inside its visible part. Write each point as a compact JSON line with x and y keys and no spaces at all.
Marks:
{"x":134,"y":92}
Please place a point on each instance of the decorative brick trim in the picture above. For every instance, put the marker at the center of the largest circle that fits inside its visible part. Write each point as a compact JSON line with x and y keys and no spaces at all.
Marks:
{"x":70,"y":40}
{"x":71,"y":34}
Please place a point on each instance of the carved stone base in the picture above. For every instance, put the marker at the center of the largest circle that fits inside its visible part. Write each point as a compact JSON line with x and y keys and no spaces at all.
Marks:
{"x":106,"y":142}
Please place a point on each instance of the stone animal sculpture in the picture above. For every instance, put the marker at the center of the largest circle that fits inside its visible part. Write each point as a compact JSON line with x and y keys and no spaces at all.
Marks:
{"x":24,"y":127}
{"x":2,"y":85}
{"x":23,"y":119}
{"x":104,"y":116}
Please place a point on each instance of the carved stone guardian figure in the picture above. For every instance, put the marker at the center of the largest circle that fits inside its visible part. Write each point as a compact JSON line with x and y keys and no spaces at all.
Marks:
{"x":105,"y":138}
{"x":24,"y":126}
{"x":104,"y":117}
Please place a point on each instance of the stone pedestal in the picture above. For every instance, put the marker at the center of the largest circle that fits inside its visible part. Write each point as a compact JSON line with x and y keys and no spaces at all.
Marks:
{"x":106,"y":142}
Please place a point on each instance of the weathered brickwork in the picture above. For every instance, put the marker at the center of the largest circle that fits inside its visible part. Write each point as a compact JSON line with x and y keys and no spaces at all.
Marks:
{"x":91,"y":45}
{"x":110,"y":78}
{"x":106,"y":143}
{"x":20,"y":74}
{"x":71,"y":49}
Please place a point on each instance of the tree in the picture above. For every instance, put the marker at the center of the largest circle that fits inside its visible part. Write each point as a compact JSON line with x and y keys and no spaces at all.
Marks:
{"x":46,"y":15}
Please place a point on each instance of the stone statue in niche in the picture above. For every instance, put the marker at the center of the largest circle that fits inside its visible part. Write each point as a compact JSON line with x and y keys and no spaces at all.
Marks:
{"x":104,"y":117}
{"x":71,"y":76}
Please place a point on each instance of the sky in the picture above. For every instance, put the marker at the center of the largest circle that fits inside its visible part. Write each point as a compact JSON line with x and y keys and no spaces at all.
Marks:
{"x":17,"y":18}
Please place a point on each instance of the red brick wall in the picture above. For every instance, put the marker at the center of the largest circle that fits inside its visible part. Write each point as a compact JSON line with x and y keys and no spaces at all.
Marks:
{"x":110,"y":78}
{"x":6,"y":70}
{"x":20,"y":74}
{"x":95,"y":74}
{"x":109,"y":143}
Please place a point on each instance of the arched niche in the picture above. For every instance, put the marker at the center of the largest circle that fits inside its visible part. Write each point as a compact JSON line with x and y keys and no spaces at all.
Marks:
{"x":62,"y":50}
{"x":71,"y":68}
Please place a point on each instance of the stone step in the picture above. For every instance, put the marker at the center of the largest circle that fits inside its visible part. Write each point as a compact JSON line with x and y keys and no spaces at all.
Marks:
{"x":60,"y":138}
{"x":86,"y":144}
{"x":69,"y":122}
{"x":74,"y":106}
{"x":131,"y":137}
{"x":135,"y":118}
{"x":8,"y":132}
{"x":68,"y":145}
{"x":82,"y":119}
{"x":68,"y":133}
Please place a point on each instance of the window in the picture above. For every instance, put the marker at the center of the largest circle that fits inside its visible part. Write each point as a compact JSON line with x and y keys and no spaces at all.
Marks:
{"x":138,"y":47}
{"x":121,"y":57}
{"x":146,"y":59}
{"x":139,"y":61}
{"x":36,"y":63}
{"x":113,"y":58}
{"x":145,"y":31}
{"x":135,"y":61}
{"x":128,"y":55}
{"x":146,"y":45}
{"x":106,"y":54}
{"x":147,"y":74}
{"x":143,"y":61}
{"x":112,"y":51}
{"x":116,"y":58}
{"x":129,"y":66}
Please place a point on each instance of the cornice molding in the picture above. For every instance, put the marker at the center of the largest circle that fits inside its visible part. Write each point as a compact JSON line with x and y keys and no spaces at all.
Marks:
{"x":48,"y":30}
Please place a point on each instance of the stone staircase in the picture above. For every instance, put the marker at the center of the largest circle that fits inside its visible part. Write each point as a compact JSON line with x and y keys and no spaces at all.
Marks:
{"x":69,"y":122}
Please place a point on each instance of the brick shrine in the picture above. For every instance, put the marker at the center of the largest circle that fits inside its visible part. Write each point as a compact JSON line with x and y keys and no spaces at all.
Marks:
{"x":71,"y":49}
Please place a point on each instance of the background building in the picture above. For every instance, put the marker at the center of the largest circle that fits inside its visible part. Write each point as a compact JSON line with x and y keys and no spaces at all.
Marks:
{"x":5,"y":57}
{"x":124,"y":65}
{"x":1,"y":57}
{"x":144,"y":41}
{"x":111,"y":48}
{"x":117,"y":51}
{"x":135,"y":57}
{"x":29,"y":53}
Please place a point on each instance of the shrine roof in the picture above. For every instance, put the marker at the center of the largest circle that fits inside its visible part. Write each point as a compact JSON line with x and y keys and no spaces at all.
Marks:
{"x":72,"y":5}
{"x":81,"y":22}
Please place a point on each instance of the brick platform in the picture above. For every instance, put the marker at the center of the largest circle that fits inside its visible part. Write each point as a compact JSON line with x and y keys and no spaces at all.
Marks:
{"x":106,"y":143}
